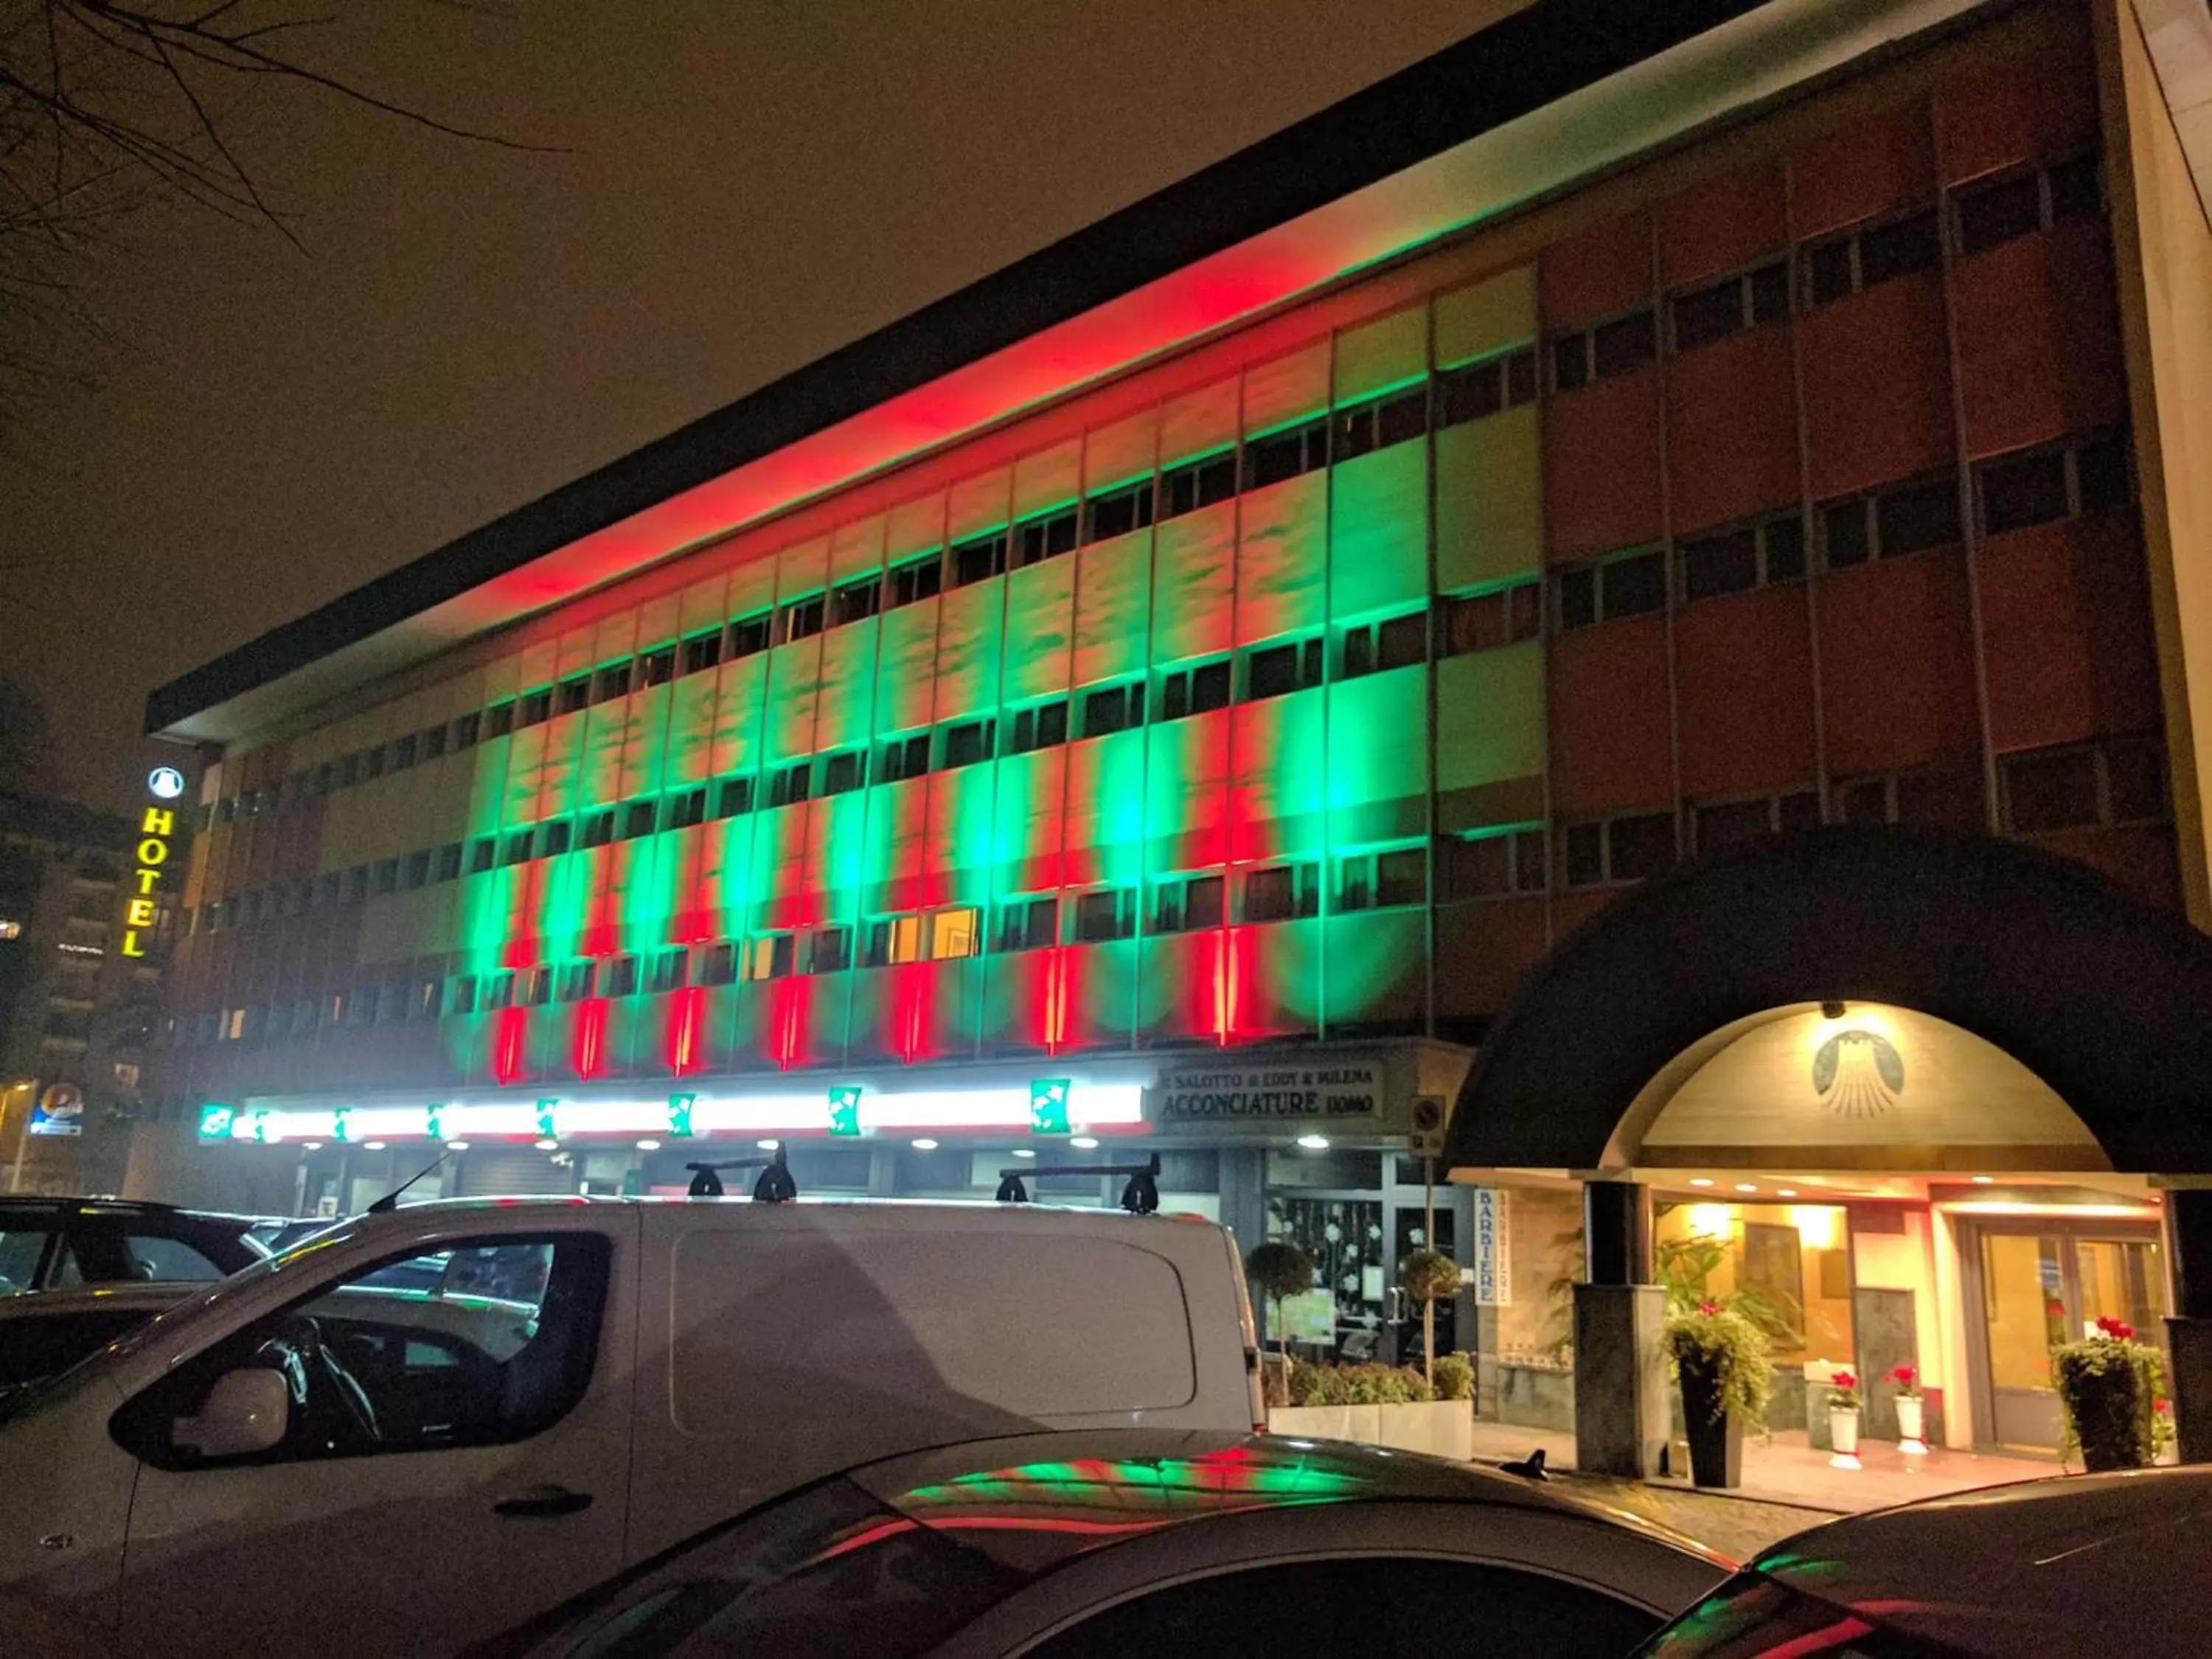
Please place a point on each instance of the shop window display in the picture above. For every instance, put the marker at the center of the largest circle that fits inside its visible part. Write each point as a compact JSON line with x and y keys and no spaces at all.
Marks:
{"x":1344,"y":1236}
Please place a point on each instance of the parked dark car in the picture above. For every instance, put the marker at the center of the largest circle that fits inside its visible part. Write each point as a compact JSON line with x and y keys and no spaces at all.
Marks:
{"x":43,"y":1335}
{"x":2110,"y":1565}
{"x":1136,"y":1541}
{"x":50,"y":1242}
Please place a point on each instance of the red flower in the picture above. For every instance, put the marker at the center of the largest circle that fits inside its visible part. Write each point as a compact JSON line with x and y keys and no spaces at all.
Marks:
{"x":1709,"y":1307}
{"x":2161,"y":1407}
{"x":1842,"y":1380}
{"x":2118,"y":1329}
{"x":1903,"y":1376}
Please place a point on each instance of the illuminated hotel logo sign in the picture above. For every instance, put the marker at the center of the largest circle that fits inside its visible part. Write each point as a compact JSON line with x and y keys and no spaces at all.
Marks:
{"x":154,"y":829}
{"x":1858,"y":1073}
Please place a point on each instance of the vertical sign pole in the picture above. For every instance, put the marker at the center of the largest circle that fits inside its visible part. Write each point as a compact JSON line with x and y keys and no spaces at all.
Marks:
{"x":1429,"y":1241}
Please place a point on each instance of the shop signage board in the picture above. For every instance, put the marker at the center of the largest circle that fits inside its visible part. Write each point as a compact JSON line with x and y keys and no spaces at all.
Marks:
{"x":60,"y":1111}
{"x":1493,"y":1248}
{"x":1242,"y":1094}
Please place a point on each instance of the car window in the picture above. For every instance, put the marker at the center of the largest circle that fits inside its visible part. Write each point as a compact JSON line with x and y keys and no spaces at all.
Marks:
{"x":19,"y":1250}
{"x":33,"y":1349}
{"x":381,"y":1363}
{"x":1753,"y":1615}
{"x":1369,"y":1605}
{"x":155,"y":1257}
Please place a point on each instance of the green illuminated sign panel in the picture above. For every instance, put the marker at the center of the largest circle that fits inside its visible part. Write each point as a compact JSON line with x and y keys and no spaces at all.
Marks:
{"x":545,"y":1110}
{"x":435,"y":1121}
{"x":1048,"y":1106}
{"x":679,"y":1114}
{"x":216,"y":1122}
{"x":845,"y":1110}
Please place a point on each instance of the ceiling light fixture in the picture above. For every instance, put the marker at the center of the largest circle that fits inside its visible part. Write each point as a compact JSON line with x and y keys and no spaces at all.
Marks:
{"x":1314,"y":1143}
{"x":1024,"y":1151}
{"x":648,"y":1146}
{"x":1699,"y":1180}
{"x":1085,"y":1143}
{"x":925,"y":1145}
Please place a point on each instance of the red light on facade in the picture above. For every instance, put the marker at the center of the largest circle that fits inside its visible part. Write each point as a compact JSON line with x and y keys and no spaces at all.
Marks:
{"x":685,"y":1015}
{"x":509,"y":1027}
{"x":591,"y":1037}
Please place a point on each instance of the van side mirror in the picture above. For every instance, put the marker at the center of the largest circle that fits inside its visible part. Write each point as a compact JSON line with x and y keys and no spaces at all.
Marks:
{"x":245,"y":1411}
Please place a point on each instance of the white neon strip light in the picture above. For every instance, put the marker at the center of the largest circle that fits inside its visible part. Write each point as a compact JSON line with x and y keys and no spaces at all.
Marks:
{"x":1091,"y":1105}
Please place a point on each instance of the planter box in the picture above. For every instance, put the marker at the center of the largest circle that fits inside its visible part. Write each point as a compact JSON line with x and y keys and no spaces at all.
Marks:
{"x":1441,"y":1428}
{"x":1356,"y":1423}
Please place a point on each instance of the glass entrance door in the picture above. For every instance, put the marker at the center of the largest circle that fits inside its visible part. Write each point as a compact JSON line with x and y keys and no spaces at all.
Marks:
{"x":2044,"y":1286}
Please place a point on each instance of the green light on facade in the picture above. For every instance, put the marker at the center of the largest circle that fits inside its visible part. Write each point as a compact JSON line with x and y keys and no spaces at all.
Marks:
{"x":342,"y":1124}
{"x":545,"y":1111}
{"x":1048,"y":1106}
{"x":845,"y":1110}
{"x":435,"y":1121}
{"x":216,"y":1122}
{"x":679,"y":1114}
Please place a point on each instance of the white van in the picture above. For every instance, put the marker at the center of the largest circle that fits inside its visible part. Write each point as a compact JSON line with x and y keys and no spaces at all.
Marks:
{"x":419,"y":1427}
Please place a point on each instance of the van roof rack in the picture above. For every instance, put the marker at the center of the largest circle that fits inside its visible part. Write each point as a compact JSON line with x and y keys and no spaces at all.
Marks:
{"x":1141,"y":1196}
{"x":774,"y":1186}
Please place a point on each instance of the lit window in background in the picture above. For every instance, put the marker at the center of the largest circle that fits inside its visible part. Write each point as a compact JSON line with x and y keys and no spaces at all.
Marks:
{"x":10,"y":929}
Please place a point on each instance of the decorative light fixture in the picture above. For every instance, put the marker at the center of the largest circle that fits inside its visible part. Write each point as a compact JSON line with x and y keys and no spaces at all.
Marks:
{"x":1985,"y":1181}
{"x":314,"y":1145}
{"x":770,"y":1144}
{"x":549,"y":1145}
{"x":1699,"y":1180}
{"x":1085,"y":1143}
{"x":1024,"y":1151}
{"x":648,"y":1145}
{"x":1314,"y":1143}
{"x":1832,"y":1010}
{"x":1787,"y":1192}
{"x":371,"y":1146}
{"x":924,"y":1144}
{"x":457,"y":1146}
{"x":1746,"y":1186}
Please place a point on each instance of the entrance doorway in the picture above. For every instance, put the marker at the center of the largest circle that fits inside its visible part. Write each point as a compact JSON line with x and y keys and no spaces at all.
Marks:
{"x":2034,"y":1286}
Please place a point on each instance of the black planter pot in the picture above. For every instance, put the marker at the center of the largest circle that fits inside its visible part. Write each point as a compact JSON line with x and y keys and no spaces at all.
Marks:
{"x":1716,"y":1436}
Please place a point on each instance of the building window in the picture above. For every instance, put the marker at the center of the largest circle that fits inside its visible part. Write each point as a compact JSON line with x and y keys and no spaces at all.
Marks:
{"x":749,"y":635}
{"x":327,"y":888}
{"x":657,"y":667}
{"x":857,"y":601}
{"x":1717,"y":310}
{"x":536,"y":708}
{"x":574,"y":695}
{"x":955,"y":931}
{"x":1029,"y":924}
{"x":702,"y":652}
{"x":1282,"y":891}
{"x":2037,"y":486}
{"x":637,"y":819}
{"x":829,"y":950}
{"x":917,"y":580}
{"x":403,"y":752}
{"x":903,"y":757}
{"x":1107,"y":913}
{"x":967,"y":744}
{"x":670,"y":970}
{"x":553,"y":838}
{"x":1393,"y":419}
{"x":1285,"y":453}
{"x":1117,"y":512}
{"x":449,"y":861}
{"x":1625,"y":585}
{"x":1608,"y":852}
{"x":348,"y":775}
{"x":1492,"y":864}
{"x":1604,"y":349}
{"x":1044,"y":727}
{"x":1047,"y":536}
{"x":1199,"y":483}
{"x":1278,"y":670}
{"x":499,"y":991}
{"x":1484,"y":621}
{"x":620,"y":977}
{"x":465,"y":995}
{"x":1193,"y":690}
{"x":599,"y":827}
{"x":1870,"y":256}
{"x":893,"y":940}
{"x":789,"y":785}
{"x":1769,"y":549}
{"x":843,"y":772}
{"x":613,"y":682}
{"x":538,"y":986}
{"x":718,"y":964}
{"x":1892,"y":522}
{"x":433,"y":744}
{"x":2084,"y":785}
{"x":1715,"y":825}
{"x":1473,"y":391}
{"x":769,"y":957}
{"x":356,"y":884}
{"x":519,"y":847}
{"x":1373,"y":648}
{"x":979,"y":559}
{"x":579,"y":981}
{"x":1113,"y":708}
{"x":804,"y":618}
{"x":1939,"y":799}
{"x":1385,"y":879}
{"x":1188,"y":904}
{"x":416,"y":871}
{"x":1992,"y":211}
{"x":372,"y":763}
{"x":734,"y":797}
{"x":687,"y":809}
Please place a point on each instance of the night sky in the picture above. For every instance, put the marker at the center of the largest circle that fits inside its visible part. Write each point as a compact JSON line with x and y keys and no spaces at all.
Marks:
{"x":735,"y":190}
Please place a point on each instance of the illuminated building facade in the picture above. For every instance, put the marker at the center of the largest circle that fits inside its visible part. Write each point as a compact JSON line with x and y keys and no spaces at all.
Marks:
{"x":1218,"y":689}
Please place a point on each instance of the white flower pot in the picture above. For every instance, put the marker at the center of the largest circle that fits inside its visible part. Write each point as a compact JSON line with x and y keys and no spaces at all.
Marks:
{"x":1441,"y":1428}
{"x":1844,"y":1434}
{"x":1910,"y":1424}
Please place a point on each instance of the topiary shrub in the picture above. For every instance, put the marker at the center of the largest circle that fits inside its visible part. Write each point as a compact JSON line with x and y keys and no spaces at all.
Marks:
{"x":2109,"y":1387}
{"x":1455,"y":1378}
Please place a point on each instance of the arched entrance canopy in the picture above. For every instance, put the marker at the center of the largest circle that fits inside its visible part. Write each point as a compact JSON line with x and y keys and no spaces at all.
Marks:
{"x":2106,"y":999}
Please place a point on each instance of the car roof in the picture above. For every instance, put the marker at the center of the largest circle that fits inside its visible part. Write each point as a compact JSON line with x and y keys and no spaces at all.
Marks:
{"x":2100,"y":1564}
{"x":96,"y":1206}
{"x":145,"y":1296}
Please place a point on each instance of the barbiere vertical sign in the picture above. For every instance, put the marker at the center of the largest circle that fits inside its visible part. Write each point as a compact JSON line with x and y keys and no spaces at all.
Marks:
{"x":156,"y":827}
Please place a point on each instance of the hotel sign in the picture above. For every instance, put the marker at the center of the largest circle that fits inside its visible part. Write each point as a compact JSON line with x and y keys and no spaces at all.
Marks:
{"x":141,"y":912}
{"x":1230,"y":1094}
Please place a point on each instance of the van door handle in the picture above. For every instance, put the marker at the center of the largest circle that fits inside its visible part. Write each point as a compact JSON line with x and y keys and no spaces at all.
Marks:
{"x":541,"y":1501}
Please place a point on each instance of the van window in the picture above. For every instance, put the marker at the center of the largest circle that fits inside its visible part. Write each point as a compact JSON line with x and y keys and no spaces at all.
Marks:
{"x":489,"y":1341}
{"x":929,"y":1335}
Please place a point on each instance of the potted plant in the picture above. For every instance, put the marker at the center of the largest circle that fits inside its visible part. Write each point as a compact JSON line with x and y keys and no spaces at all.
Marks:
{"x":1843,"y":1404}
{"x":1429,"y":1277}
{"x":1280,"y":1269}
{"x":1911,"y":1421}
{"x":1721,"y":1358}
{"x":2109,"y":1385}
